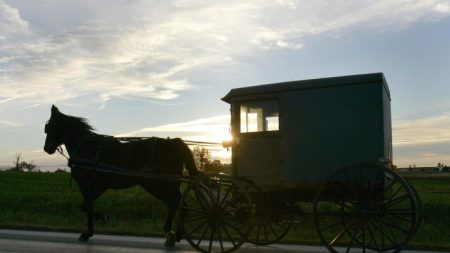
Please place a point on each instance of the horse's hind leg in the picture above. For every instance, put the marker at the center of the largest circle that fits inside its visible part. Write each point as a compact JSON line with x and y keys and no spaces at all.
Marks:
{"x":169,"y":193}
{"x":179,"y":234}
{"x":171,"y":237}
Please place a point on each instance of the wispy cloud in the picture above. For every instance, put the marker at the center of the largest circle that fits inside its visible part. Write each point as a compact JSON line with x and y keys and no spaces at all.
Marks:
{"x":423,"y":141}
{"x":5,"y":123}
{"x":148,"y":49}
{"x":205,"y":129}
{"x":212,"y":129}
{"x":11,"y":23}
{"x":423,"y":131}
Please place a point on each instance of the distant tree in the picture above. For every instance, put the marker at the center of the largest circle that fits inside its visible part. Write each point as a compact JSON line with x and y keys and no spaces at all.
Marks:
{"x":214,"y":166}
{"x":22,"y":165}
{"x":17,"y":162}
{"x":59,"y":170}
{"x":29,"y":166}
{"x":202,"y":157}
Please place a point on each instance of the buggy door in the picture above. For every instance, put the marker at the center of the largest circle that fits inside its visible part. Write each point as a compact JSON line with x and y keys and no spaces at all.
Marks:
{"x":256,"y":155}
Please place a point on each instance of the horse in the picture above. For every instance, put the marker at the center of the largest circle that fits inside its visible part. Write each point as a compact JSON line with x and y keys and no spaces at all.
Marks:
{"x":88,"y":150}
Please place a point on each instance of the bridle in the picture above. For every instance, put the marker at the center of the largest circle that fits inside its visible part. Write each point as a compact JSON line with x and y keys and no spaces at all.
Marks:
{"x":61,"y":151}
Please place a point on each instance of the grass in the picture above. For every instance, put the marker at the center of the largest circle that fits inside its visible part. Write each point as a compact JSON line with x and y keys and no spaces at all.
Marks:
{"x":45,"y":201}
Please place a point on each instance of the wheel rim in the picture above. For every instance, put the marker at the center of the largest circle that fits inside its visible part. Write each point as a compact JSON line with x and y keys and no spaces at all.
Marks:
{"x":215,"y":214}
{"x":365,"y":207}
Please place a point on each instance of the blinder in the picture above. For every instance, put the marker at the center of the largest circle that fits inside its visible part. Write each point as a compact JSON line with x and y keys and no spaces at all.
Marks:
{"x":47,"y":125}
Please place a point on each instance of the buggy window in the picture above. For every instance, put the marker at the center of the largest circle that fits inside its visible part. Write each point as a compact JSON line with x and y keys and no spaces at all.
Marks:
{"x":259,"y":116}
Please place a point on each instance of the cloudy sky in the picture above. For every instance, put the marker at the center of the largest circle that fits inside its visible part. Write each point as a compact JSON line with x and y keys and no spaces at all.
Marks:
{"x":159,"y":68}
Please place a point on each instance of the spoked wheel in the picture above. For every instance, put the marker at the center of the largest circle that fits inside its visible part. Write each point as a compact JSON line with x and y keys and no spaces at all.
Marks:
{"x":273,"y":217}
{"x":365,"y":208}
{"x":216,"y":214}
{"x":419,"y":207}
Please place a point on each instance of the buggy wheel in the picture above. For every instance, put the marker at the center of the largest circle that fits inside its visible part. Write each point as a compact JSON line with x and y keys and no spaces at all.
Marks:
{"x":365,"y":207}
{"x":273,"y":219}
{"x":215,"y":214}
{"x":418,"y":202}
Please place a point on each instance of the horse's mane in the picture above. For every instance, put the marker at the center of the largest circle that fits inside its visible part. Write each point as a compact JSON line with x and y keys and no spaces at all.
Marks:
{"x":78,"y":123}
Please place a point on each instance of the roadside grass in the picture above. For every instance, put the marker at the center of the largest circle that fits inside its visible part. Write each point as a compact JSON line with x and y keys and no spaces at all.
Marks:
{"x":45,"y":201}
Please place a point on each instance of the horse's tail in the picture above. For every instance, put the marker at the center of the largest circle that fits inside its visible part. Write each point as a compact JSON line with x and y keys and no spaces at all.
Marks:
{"x":188,"y":159}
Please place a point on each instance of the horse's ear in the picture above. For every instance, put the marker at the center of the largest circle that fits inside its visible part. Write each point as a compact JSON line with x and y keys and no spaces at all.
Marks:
{"x":54,"y":110}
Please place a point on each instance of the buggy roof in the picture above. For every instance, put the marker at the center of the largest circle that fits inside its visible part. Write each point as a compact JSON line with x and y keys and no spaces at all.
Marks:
{"x":305,"y":84}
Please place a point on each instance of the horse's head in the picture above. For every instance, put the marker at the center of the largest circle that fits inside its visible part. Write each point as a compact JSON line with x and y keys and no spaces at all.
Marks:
{"x":54,"y":128}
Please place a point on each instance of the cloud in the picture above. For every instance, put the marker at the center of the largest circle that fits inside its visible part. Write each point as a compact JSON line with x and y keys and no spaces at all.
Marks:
{"x":11,"y":23}
{"x":423,"y":141}
{"x":5,"y":123}
{"x":423,"y":131}
{"x":443,"y":8}
{"x":205,"y":127}
{"x":70,"y":50}
{"x":212,"y":129}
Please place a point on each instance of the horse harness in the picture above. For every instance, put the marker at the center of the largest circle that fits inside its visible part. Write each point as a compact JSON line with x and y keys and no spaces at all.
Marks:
{"x":94,"y":164}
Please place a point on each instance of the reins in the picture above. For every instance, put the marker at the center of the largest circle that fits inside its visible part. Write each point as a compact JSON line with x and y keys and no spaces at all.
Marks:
{"x":61,"y":151}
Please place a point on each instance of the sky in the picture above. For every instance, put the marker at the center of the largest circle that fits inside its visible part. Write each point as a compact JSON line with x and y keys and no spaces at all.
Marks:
{"x":160,"y":68}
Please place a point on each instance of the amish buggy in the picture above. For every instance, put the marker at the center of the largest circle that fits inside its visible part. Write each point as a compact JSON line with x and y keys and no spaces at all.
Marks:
{"x":324,"y":142}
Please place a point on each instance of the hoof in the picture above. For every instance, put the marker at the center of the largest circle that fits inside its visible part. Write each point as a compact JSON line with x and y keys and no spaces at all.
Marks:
{"x":170,"y":239}
{"x":179,"y":236}
{"x":84,"y":237}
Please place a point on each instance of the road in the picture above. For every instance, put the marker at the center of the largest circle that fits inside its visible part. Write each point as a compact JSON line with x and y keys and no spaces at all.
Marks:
{"x":14,"y":241}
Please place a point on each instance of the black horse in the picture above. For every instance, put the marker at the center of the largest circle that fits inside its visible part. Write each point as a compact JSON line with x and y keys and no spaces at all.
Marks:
{"x":92,"y":155}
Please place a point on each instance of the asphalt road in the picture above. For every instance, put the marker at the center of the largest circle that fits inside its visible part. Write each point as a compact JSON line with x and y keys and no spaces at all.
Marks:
{"x":15,"y":241}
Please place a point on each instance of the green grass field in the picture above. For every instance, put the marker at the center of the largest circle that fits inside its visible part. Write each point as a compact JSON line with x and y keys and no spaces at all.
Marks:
{"x":46,"y":201}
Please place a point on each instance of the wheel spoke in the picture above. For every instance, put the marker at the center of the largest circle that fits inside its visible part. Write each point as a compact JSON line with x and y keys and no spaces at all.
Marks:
{"x":345,"y":194}
{"x":218,"y":194}
{"x":394,"y":202}
{"x":384,"y":235}
{"x":220,"y":238}
{"x":372,"y":235}
{"x":192,"y":209}
{"x":194,"y":218}
{"x":232,"y":226}
{"x":273,"y":230}
{"x":337,"y":238}
{"x":224,"y":197}
{"x":364,"y":235}
{"x":232,"y":218}
{"x":257,"y":232}
{"x":265,"y":232}
{"x":227,"y":233}
{"x":355,"y":194}
{"x":283,"y":227}
{"x":331,"y":226}
{"x":203,"y":236}
{"x":400,"y":217}
{"x":353,"y":236}
{"x":211,"y":238}
{"x":393,"y":225}
{"x":197,"y":227}
{"x":399,"y":188}
{"x":195,"y":200}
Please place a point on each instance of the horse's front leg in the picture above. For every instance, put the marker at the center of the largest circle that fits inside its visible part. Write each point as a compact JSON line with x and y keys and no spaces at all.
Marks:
{"x":89,"y":209}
